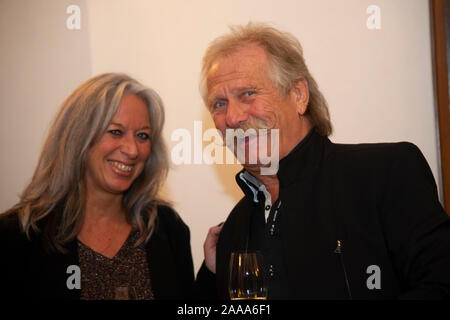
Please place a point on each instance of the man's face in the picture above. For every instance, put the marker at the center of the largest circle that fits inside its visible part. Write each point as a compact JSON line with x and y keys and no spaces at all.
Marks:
{"x":241,"y":95}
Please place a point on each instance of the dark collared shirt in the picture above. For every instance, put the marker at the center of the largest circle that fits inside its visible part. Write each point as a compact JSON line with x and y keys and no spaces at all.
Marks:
{"x":265,"y":235}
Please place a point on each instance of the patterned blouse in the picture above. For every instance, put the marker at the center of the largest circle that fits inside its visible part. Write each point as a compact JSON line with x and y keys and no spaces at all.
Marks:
{"x":124,"y":277}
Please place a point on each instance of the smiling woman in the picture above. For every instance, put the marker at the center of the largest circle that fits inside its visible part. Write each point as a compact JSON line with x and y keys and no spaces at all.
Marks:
{"x":119,"y":157}
{"x":92,"y":203}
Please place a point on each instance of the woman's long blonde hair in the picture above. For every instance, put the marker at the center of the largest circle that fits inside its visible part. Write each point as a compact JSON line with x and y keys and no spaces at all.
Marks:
{"x":53,"y":202}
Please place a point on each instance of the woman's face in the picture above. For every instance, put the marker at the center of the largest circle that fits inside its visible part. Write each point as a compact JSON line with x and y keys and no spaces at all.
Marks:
{"x":119,"y":157}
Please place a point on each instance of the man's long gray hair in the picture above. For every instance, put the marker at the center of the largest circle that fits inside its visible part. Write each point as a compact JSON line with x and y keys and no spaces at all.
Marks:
{"x":287,"y":65}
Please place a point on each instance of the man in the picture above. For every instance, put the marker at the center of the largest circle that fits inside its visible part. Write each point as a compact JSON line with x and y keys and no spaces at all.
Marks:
{"x":335,"y":221}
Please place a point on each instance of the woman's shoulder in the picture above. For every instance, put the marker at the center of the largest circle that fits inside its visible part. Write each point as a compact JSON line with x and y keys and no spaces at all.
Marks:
{"x":11,"y":233}
{"x":9,"y":222}
{"x":167,"y":213}
{"x":170,"y":219}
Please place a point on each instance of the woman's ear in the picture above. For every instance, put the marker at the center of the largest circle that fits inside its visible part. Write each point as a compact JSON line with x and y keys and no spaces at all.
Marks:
{"x":300,"y":94}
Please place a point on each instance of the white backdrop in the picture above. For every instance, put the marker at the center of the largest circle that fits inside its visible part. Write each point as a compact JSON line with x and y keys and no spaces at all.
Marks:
{"x":378,"y":82}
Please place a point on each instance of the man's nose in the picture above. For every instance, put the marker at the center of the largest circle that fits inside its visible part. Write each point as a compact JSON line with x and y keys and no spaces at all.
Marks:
{"x":129,"y":146}
{"x":236,"y":114}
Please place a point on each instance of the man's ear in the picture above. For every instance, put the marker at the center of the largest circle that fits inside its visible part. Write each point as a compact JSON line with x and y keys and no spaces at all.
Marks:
{"x":300,"y":94}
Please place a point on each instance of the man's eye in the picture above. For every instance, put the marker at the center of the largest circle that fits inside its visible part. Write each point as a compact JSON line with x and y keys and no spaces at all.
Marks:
{"x":115,"y":132}
{"x":219,"y":104}
{"x":143,"y":136}
{"x":249,"y":93}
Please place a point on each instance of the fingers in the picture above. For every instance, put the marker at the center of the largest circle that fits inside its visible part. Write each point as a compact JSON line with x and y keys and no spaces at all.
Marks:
{"x":209,"y":247}
{"x":215,"y":231}
{"x":213,"y":235}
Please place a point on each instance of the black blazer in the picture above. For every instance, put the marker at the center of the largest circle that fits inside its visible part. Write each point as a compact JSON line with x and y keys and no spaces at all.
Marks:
{"x":379,"y":200}
{"x":28,"y":271}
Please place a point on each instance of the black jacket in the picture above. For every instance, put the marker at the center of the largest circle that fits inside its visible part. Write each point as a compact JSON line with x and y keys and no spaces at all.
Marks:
{"x":28,"y":271}
{"x":379,"y":200}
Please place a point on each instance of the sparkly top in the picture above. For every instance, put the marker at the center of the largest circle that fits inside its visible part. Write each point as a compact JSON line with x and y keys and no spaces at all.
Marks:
{"x":124,"y":277}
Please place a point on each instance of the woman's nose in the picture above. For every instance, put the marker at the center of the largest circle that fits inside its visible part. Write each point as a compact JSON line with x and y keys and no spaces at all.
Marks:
{"x":129,"y":147}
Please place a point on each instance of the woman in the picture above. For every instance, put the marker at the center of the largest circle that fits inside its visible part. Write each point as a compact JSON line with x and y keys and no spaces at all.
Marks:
{"x":89,"y":225}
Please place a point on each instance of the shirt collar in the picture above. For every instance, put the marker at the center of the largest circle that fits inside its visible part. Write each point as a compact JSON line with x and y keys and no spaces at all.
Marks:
{"x":254,"y":185}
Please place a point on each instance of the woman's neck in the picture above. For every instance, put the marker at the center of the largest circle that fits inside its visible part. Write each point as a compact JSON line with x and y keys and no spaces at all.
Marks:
{"x":103,"y":206}
{"x":105,"y":227}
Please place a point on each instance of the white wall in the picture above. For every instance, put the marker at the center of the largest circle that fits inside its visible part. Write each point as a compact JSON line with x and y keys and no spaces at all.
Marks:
{"x":378,"y":82}
{"x":41,"y":62}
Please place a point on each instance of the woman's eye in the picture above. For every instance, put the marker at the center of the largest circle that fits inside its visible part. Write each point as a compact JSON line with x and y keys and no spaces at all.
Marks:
{"x":143,"y":136}
{"x":115,"y":132}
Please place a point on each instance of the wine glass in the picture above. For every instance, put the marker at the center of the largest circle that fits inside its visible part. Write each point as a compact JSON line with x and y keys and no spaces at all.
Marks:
{"x":246,"y":277}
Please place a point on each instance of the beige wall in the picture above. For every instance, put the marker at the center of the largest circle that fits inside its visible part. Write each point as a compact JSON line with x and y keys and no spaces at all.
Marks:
{"x":41,"y":62}
{"x":378,"y":82}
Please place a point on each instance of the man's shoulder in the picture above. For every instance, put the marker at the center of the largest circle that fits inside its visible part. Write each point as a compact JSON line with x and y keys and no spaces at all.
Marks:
{"x":373,"y":153}
{"x":244,"y":204}
{"x":239,"y":214}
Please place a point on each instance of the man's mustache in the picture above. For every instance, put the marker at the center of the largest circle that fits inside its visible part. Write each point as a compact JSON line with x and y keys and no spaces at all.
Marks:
{"x":239,"y":135}
{"x":250,"y":129}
